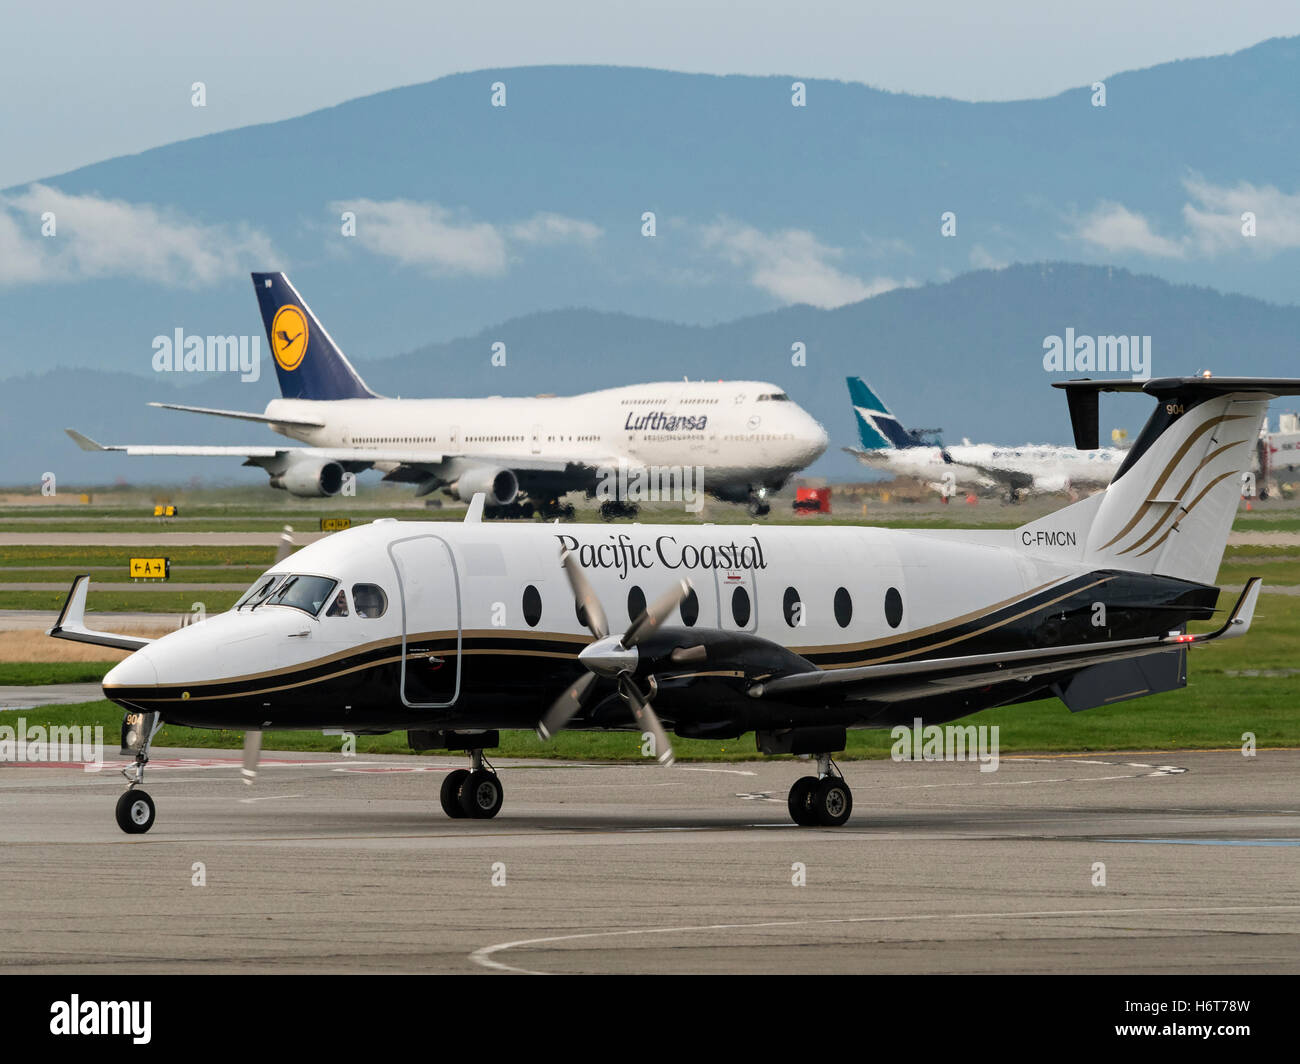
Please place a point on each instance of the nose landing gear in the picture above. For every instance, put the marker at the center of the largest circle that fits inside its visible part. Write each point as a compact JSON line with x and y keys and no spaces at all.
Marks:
{"x":135,"y":809}
{"x":823,"y":800}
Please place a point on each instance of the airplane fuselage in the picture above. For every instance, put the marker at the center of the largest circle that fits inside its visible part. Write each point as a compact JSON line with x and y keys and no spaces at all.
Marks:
{"x":479,"y":628}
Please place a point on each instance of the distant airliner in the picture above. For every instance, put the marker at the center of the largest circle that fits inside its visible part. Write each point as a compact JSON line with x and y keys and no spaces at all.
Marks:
{"x":524,"y":454}
{"x":1033,"y":467}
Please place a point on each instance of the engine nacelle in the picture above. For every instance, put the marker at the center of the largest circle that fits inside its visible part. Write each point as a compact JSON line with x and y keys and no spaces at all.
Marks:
{"x":501,"y":486}
{"x":309,"y":478}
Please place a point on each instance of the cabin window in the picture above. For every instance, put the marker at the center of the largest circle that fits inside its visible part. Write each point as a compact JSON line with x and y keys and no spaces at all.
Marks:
{"x":369,"y":600}
{"x":532,"y":606}
{"x":306,"y":593}
{"x":635,"y":603}
{"x":740,"y":607}
{"x":793,"y":608}
{"x":893,"y":607}
{"x":690,"y":609}
{"x":339,"y":607}
{"x":843,"y":607}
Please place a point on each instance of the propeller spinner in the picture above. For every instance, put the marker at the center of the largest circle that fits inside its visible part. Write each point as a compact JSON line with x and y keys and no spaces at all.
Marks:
{"x":613,"y":657}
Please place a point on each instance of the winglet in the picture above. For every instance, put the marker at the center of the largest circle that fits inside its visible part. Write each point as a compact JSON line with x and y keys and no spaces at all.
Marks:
{"x":474,"y":515}
{"x":71,"y":622}
{"x":85,"y":442}
{"x":1238,"y":622}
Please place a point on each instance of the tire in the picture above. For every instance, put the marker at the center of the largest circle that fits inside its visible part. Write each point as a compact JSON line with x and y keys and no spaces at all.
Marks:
{"x":135,"y":812}
{"x":481,"y":795}
{"x":450,"y":794}
{"x":833,"y":802}
{"x":801,"y":801}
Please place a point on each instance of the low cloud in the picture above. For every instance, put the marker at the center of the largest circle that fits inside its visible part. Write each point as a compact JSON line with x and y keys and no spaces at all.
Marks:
{"x":1213,"y":221}
{"x":96,"y":237}
{"x":446,"y":242}
{"x":791,"y":264}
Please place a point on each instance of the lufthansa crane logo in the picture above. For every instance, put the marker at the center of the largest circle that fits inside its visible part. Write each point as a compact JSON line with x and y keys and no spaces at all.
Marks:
{"x":289,"y":337}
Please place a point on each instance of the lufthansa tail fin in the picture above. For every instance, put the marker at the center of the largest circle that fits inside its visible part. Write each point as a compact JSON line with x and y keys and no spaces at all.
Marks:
{"x":1170,"y":506}
{"x":307,"y":361}
{"x":878,"y":429}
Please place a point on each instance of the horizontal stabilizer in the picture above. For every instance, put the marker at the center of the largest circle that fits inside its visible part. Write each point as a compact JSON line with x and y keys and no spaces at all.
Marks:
{"x":242,"y":416}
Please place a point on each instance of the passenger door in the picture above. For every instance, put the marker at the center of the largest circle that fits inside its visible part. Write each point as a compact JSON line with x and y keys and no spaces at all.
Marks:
{"x":428,"y":589}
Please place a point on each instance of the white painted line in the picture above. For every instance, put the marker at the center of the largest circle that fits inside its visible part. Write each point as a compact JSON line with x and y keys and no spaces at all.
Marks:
{"x":484,"y":955}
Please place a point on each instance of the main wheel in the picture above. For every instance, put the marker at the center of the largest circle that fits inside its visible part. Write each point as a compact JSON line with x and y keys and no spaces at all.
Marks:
{"x":450,"y":794}
{"x":481,"y":795}
{"x":135,"y":812}
{"x":801,"y":801}
{"x":832,"y":801}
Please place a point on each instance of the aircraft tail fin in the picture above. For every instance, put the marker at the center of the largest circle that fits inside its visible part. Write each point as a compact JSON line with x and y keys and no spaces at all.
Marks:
{"x":878,"y":429}
{"x":308,"y":362}
{"x":1169,"y":508}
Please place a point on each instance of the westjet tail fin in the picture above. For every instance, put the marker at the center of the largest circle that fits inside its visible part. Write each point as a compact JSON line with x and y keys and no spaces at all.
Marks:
{"x":878,"y":429}
{"x":307,"y":361}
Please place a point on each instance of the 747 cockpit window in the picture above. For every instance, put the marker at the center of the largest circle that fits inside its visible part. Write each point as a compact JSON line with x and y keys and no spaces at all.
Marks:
{"x":257,"y":594}
{"x":306,"y":593}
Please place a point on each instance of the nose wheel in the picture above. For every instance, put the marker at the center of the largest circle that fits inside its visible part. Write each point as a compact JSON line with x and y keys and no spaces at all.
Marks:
{"x":824,"y":800}
{"x":475,"y":793}
{"x":135,"y":809}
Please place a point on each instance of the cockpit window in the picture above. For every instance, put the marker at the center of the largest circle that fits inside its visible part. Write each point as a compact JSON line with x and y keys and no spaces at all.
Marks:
{"x":306,"y":593}
{"x":774,"y":397}
{"x":370,"y":600}
{"x":257,"y":594}
{"x":339,"y":608}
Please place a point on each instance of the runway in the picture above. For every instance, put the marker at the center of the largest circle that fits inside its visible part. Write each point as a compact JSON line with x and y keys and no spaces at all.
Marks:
{"x":333,"y":864}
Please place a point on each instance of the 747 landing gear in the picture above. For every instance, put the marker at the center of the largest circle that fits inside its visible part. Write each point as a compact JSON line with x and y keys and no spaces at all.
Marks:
{"x":475,"y":792}
{"x":758,"y":505}
{"x":135,"y":809}
{"x":823,"y":800}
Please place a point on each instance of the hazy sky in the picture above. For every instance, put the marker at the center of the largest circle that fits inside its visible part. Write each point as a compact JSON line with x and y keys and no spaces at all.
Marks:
{"x":85,"y":81}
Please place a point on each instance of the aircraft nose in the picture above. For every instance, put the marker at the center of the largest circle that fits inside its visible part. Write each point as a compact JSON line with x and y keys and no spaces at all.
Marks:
{"x":818,"y":440}
{"x":138,"y":670}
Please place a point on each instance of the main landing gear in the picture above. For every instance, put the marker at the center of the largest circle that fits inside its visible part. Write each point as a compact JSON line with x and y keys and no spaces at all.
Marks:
{"x":758,"y":506}
{"x":823,"y":800}
{"x":135,"y":809}
{"x":475,"y":792}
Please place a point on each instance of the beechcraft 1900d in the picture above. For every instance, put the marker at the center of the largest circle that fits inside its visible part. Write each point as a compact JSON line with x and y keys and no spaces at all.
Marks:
{"x":524,"y":454}
{"x":797,"y":634}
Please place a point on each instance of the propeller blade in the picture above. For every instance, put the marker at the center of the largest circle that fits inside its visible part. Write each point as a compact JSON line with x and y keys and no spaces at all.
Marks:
{"x":252,"y":754}
{"x":564,"y":707}
{"x":647,"y":718}
{"x":655,"y":613}
{"x":586,"y":597}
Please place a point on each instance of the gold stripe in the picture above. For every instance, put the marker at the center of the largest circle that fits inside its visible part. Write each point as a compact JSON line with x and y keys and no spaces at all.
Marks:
{"x":983,"y":611}
{"x":1174,"y":527}
{"x":1179,"y":455}
{"x":1180,"y":493}
{"x":970,"y":635}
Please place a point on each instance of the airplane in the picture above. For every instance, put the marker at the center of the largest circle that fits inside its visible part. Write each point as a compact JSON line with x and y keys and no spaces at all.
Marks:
{"x":523,"y":454}
{"x":453,"y":632}
{"x":1032,"y":467}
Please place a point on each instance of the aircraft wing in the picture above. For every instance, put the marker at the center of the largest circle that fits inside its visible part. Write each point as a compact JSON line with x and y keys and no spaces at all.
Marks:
{"x":256,"y":454}
{"x":1010,"y":477}
{"x":901,"y":681}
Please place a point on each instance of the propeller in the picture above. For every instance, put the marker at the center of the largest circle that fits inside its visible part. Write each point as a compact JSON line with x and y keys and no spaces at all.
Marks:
{"x":614,"y":657}
{"x":252,"y":754}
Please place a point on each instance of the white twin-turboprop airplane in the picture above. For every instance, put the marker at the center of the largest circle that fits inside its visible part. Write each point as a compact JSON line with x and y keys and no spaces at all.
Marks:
{"x":452,"y":632}
{"x":742,"y":439}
